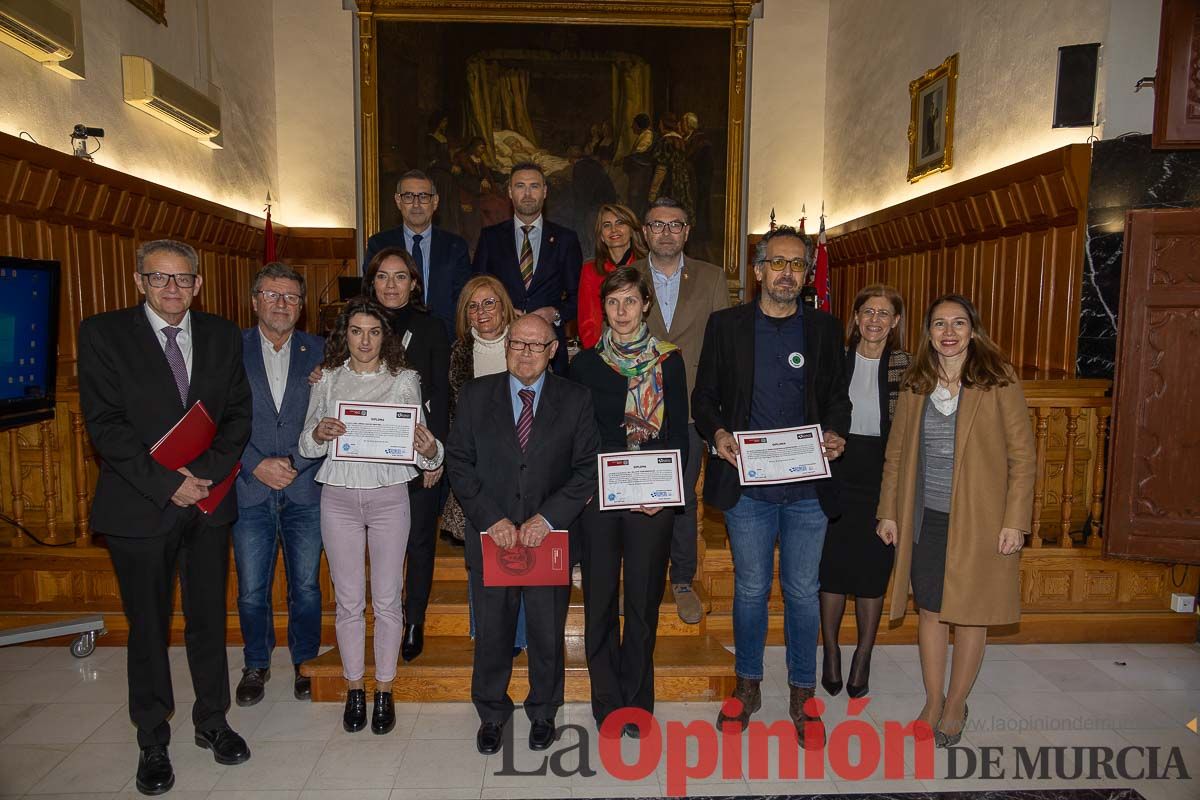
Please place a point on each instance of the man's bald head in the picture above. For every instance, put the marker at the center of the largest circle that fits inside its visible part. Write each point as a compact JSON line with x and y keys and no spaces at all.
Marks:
{"x":527,"y":334}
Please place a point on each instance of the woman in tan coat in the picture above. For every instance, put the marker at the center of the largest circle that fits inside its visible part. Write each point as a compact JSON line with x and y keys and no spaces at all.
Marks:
{"x":956,"y":500}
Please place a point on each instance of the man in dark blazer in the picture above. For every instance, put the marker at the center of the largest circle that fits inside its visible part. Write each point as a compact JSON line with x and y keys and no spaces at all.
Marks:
{"x":522,"y":461}
{"x":441,"y":256}
{"x":537,"y":261}
{"x":279,"y":502}
{"x":773,"y":364}
{"x":140,"y":369}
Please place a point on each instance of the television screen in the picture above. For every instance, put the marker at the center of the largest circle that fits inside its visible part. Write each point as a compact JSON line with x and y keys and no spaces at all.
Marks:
{"x":28,"y":340}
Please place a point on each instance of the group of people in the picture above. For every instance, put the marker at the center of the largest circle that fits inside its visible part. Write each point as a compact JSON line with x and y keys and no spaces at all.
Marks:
{"x":932,"y":455}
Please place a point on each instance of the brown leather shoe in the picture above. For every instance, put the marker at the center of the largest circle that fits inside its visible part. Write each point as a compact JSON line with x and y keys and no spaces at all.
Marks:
{"x":748,"y":693}
{"x":800,"y":718}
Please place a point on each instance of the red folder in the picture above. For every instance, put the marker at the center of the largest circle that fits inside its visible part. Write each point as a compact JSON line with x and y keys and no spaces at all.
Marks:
{"x":548,"y":564}
{"x":185,"y":442}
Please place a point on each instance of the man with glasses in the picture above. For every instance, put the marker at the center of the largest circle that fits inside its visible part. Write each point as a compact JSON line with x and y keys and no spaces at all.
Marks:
{"x":773,"y":364}
{"x":278,"y":498}
{"x":522,"y":459}
{"x":441,"y":256}
{"x":537,"y":261}
{"x":140,"y":370}
{"x":686,"y":291}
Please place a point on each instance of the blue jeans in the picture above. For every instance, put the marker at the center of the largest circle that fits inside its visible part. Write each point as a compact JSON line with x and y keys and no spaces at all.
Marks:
{"x":256,"y":535}
{"x":754,"y":528}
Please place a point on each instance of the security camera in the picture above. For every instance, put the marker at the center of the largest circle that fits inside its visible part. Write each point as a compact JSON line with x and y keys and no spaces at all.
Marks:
{"x":79,"y":138}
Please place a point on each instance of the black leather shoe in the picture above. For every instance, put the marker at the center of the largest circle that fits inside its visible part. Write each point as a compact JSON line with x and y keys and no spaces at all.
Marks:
{"x":354,"y":718}
{"x":541,"y":734}
{"x":489,"y":738}
{"x":302,"y":688}
{"x":413,"y":642}
{"x":154,"y":773}
{"x":227,"y":747}
{"x":383,"y":715}
{"x":251,"y":687}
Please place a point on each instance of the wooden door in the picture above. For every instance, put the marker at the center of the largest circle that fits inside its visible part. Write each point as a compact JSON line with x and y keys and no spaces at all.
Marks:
{"x":1154,"y":471}
{"x":1177,"y":82}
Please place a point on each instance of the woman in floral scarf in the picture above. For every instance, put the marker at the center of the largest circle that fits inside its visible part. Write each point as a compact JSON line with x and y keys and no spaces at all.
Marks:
{"x":640,"y":394}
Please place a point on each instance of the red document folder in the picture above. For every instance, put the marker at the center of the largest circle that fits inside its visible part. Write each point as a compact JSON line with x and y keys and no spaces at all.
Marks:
{"x":548,"y":564}
{"x":185,"y":442}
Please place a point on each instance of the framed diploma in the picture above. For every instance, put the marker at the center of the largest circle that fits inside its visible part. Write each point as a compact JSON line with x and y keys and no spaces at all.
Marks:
{"x":783,"y":455}
{"x":384,"y":433}
{"x":640,"y":478}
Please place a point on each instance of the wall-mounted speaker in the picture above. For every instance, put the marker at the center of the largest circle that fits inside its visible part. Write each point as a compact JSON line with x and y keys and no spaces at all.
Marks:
{"x":1075,"y":88}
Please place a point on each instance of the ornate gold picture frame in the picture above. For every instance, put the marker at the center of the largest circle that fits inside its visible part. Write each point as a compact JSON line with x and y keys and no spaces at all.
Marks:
{"x":931,"y":120}
{"x":154,"y":9}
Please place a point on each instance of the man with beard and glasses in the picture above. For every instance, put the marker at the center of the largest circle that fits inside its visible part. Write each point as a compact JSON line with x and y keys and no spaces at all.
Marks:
{"x":686,"y":291}
{"x":537,"y":261}
{"x":764,"y":365}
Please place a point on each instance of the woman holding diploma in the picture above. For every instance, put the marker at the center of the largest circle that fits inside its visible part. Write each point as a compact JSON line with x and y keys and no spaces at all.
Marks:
{"x":956,"y":501}
{"x":364,"y":504}
{"x":639,"y":391}
{"x":854,"y":560}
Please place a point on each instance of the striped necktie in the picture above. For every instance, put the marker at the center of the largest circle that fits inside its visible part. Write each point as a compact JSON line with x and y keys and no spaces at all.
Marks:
{"x":525,"y":421}
{"x":527,"y":257}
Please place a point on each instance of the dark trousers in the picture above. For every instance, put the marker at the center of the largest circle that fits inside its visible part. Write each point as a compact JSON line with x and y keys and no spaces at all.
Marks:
{"x":495,"y":609}
{"x":683,"y":539}
{"x":621,"y":666}
{"x":145,"y":570}
{"x":424,"y":505}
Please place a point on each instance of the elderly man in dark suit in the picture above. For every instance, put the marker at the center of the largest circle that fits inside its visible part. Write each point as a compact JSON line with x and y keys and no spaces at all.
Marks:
{"x":522,"y":461}
{"x":441,"y":256}
{"x":279,"y":503}
{"x":537,"y":261}
{"x":140,"y":369}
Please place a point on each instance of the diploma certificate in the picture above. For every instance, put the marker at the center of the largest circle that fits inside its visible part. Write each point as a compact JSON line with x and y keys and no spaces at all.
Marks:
{"x":783,"y":455}
{"x":384,"y":433}
{"x":640,"y":478}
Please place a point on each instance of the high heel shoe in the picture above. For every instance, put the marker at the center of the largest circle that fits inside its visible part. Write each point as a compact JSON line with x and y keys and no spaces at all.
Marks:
{"x":861,"y":690}
{"x":833,"y":687}
{"x":949,"y":740}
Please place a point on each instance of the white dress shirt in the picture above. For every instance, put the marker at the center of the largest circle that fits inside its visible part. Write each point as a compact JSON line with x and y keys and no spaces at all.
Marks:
{"x":183,"y":338}
{"x":535,"y":238}
{"x":276,"y":363}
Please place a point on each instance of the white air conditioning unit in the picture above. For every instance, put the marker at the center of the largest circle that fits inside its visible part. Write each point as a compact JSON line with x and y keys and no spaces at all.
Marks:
{"x":160,"y":94}
{"x":40,"y":29}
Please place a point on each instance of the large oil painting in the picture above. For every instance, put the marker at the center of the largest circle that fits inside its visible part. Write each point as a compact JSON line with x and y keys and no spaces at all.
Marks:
{"x":610,"y":113}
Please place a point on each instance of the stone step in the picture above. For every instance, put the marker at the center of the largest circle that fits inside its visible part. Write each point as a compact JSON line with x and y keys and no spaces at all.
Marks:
{"x":685,"y":669}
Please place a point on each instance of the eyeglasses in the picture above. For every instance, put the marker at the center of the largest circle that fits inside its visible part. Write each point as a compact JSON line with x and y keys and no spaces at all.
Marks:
{"x":777,"y":264}
{"x":518,"y":346}
{"x":658,"y":226}
{"x":424,"y":198}
{"x":486,"y":305}
{"x":274,"y":297}
{"x":876,"y":313}
{"x":184,"y":280}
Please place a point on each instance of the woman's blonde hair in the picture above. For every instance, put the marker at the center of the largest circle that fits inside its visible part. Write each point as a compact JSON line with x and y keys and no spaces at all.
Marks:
{"x":462,"y":321}
{"x":985,"y":366}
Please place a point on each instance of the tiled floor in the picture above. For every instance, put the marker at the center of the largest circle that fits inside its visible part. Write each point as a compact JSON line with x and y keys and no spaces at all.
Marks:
{"x":64,"y":731}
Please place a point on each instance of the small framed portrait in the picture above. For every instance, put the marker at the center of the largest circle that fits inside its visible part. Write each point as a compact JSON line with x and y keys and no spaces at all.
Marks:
{"x":931,"y":123}
{"x":154,"y":9}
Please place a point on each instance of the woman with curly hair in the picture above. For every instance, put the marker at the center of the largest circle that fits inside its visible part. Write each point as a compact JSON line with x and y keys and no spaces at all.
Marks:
{"x":364,"y":505}
{"x":957,"y":501}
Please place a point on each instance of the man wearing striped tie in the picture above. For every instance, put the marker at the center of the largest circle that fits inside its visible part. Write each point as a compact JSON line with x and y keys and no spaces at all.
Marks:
{"x":537,"y":261}
{"x":521,"y":457}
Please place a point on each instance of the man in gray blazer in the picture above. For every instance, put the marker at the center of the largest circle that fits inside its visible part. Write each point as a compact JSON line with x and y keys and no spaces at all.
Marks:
{"x":686,"y":291}
{"x":278,"y":500}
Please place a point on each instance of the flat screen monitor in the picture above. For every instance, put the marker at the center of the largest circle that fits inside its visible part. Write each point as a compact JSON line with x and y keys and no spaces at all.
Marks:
{"x":28,"y":340}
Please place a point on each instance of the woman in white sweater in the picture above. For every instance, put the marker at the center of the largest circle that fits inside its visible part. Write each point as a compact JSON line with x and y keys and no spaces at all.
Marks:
{"x":364,"y":505}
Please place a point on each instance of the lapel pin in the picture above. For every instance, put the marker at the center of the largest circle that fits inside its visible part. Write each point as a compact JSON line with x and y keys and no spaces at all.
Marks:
{"x":303,"y":349}
{"x":551,"y":240}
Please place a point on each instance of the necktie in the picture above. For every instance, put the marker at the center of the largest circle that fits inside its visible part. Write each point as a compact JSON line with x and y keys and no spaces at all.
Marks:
{"x":176,"y":362}
{"x":527,"y":257}
{"x":525,"y":421}
{"x":419,"y":260}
